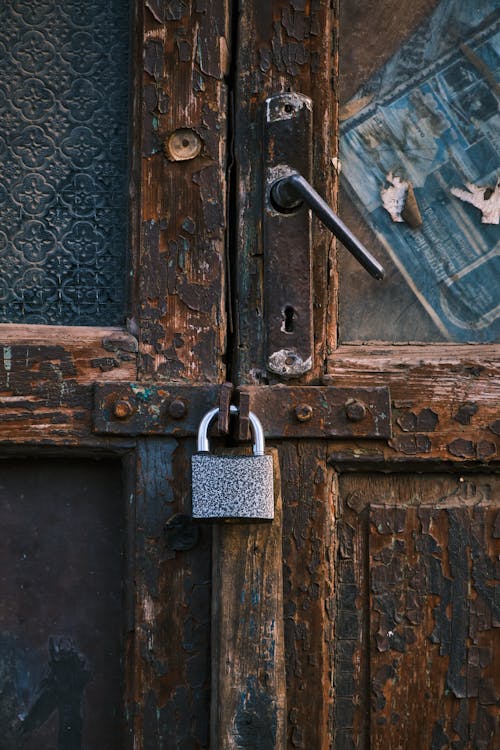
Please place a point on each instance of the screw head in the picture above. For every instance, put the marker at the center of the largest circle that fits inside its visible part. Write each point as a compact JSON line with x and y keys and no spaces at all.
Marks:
{"x":177,"y":409}
{"x":355,"y":410}
{"x":183,"y":144}
{"x":303,"y":412}
{"x":122,"y":409}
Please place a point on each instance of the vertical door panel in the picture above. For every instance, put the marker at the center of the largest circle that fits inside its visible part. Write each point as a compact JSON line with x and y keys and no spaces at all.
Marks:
{"x":179,"y":266}
{"x":170,"y":688}
{"x":308,"y":580}
{"x":179,"y":317}
{"x":417,"y":630}
{"x":282,"y":47}
{"x":288,"y":46}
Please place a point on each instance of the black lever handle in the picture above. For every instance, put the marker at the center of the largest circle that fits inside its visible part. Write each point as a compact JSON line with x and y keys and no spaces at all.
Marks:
{"x":289,"y":192}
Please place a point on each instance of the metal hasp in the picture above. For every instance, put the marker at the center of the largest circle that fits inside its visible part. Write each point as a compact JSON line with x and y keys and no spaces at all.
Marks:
{"x":288,"y":194}
{"x":291,"y":412}
{"x":288,"y":297}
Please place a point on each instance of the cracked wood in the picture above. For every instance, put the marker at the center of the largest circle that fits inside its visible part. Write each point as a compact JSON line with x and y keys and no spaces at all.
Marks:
{"x":179,"y":273}
{"x":283,"y":46}
{"x":418,"y":555}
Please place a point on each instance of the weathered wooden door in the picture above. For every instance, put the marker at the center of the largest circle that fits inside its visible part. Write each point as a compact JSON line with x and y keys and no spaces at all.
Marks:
{"x":416,"y":618}
{"x":375,"y":590}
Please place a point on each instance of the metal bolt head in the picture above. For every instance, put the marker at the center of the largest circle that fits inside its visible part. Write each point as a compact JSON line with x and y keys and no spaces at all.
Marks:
{"x":183,"y":144}
{"x":177,"y":409}
{"x":355,"y":410}
{"x":122,"y":409}
{"x":303,"y":412}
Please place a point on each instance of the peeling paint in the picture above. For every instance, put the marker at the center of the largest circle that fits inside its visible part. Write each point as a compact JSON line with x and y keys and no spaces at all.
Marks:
{"x":485,"y":199}
{"x":400,"y":201}
{"x":288,"y":363}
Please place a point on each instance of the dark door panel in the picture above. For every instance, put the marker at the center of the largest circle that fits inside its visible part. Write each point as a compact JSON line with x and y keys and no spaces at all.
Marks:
{"x":61,"y":573}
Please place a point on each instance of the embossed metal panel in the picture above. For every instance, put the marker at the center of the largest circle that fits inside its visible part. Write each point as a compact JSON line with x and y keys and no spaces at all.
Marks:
{"x":63,"y":156}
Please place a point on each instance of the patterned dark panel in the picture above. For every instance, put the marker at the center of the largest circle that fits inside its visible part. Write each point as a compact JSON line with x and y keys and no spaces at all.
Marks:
{"x":63,"y":157}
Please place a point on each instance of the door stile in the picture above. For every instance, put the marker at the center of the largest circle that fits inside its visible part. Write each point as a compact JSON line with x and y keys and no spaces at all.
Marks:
{"x":280,"y":49}
{"x":169,"y":697}
{"x":284,"y":48}
{"x":179,"y":310}
{"x":179,"y":318}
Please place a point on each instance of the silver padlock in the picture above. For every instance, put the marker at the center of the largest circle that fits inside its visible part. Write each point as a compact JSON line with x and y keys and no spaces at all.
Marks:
{"x":232,"y":486}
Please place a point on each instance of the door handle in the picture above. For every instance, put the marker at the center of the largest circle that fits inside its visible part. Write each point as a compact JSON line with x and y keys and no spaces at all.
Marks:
{"x":289,"y":193}
{"x":287,"y":240}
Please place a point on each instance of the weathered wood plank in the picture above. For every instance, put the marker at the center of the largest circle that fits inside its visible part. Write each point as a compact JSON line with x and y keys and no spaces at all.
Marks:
{"x":434,"y":618}
{"x":248,"y":659}
{"x":417,"y":555}
{"x":445,"y":399}
{"x":308,"y":542}
{"x":169,"y":696}
{"x":89,"y":352}
{"x":179,"y":269}
{"x":46,"y":376}
{"x":283,"y":46}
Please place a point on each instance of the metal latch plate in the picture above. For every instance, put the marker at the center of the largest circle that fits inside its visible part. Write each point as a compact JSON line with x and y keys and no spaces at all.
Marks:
{"x":285,"y":411}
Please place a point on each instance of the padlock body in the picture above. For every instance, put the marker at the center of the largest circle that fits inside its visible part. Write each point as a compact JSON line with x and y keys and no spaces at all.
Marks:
{"x":232,"y":487}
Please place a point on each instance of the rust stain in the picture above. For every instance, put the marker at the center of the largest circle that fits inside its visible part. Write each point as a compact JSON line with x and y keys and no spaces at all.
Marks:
{"x":465,"y":412}
{"x":425,"y":421}
{"x":411,"y":444}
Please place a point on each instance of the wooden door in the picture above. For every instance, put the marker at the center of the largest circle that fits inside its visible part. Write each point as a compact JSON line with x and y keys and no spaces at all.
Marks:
{"x":390,"y":545}
{"x":373,"y":592}
{"x":112,"y":242}
{"x":417,"y":623}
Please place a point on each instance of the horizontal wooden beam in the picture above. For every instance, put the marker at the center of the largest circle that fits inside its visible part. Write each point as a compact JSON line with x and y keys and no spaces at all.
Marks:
{"x":445,"y":399}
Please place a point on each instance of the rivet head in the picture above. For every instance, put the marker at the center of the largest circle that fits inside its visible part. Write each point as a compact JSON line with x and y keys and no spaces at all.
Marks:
{"x":177,"y":409}
{"x":303,"y":412}
{"x":122,"y":409}
{"x":355,"y":410}
{"x":183,"y":144}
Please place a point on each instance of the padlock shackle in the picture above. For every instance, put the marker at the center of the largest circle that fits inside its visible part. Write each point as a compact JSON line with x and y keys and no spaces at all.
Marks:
{"x":255,"y":424}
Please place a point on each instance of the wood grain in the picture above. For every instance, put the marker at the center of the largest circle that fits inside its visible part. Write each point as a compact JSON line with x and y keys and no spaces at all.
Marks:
{"x":179,"y":273}
{"x":417,"y":630}
{"x":248,"y":659}
{"x":445,"y":398}
{"x":308,"y":543}
{"x":47,"y":375}
{"x":169,"y":643}
{"x":283,"y":46}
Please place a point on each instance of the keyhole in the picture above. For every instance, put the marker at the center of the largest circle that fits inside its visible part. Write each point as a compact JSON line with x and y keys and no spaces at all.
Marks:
{"x":289,"y":324}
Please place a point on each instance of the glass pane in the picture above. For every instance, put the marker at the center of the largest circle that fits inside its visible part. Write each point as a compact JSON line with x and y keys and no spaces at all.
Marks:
{"x":63,"y":155}
{"x":420,"y":156}
{"x":61,"y":619}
